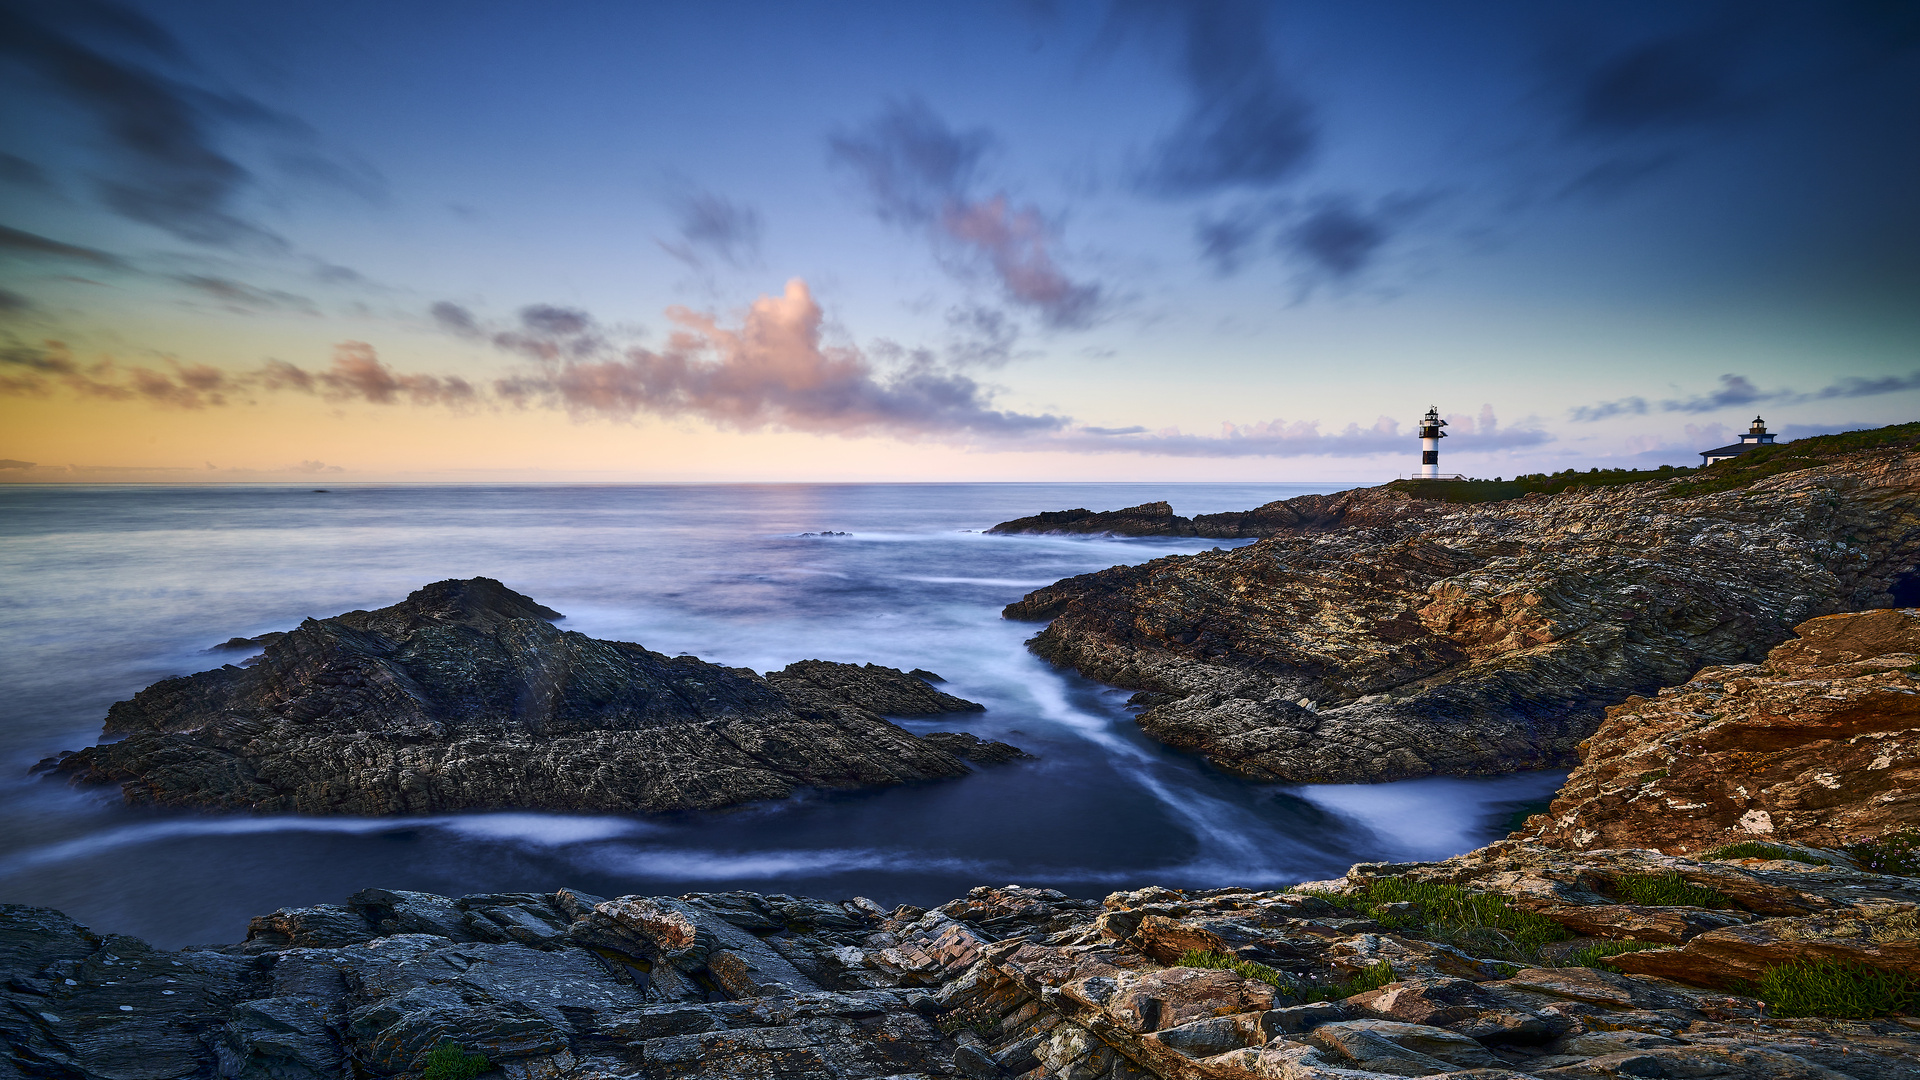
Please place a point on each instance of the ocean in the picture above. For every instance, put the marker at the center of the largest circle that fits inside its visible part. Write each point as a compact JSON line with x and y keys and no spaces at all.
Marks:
{"x":110,"y":588}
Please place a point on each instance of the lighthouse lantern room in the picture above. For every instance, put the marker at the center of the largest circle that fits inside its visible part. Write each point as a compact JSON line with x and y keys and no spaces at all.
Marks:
{"x":1430,"y":436}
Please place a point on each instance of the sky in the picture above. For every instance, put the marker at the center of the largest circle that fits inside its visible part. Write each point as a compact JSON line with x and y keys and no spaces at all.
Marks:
{"x":1133,"y":240}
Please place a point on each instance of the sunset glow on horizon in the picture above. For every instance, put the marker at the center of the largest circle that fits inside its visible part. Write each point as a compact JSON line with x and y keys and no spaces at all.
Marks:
{"x":1160,"y":240}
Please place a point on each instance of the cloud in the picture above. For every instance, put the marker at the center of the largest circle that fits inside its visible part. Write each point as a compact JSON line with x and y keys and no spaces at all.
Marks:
{"x":358,"y":374}
{"x":983,"y":336}
{"x":20,"y":242}
{"x":1245,"y":126}
{"x":771,"y":371}
{"x":1738,"y":390}
{"x":911,"y":162}
{"x":1299,"y":438}
{"x":280,"y":375}
{"x":1014,"y":243}
{"x":713,"y":225}
{"x":246,"y":299}
{"x":1676,"y":81}
{"x":1226,"y":240}
{"x":548,"y":332}
{"x":1331,"y":239}
{"x":162,"y":130}
{"x":49,"y":358}
{"x":1626,"y":406}
{"x":456,"y":320}
{"x":1335,"y":239}
{"x":1854,"y":386}
{"x":1734,"y":390}
{"x":173,"y":175}
{"x":12,"y":303}
{"x":20,"y":172}
{"x":919,"y":174}
{"x":36,"y":369}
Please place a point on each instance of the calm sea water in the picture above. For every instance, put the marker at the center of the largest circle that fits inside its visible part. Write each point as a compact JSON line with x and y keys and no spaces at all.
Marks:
{"x":107,"y":589}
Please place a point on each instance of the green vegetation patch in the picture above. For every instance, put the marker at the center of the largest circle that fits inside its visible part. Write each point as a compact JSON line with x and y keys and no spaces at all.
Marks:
{"x":1743,"y":471}
{"x":1755,"y":849}
{"x":1670,"y":890}
{"x":1765,"y":461}
{"x":1894,"y":853}
{"x":1836,"y":988}
{"x":1500,"y":490}
{"x":1483,"y":924}
{"x":1450,"y":911}
{"x":1595,"y":955}
{"x":1373,"y":978}
{"x":1195,"y":958}
{"x":451,"y":1061}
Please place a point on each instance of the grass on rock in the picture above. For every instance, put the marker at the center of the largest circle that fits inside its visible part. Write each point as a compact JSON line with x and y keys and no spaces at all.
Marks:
{"x":451,"y":1061}
{"x":1669,"y":890}
{"x":1836,"y":988}
{"x":1755,"y":849}
{"x":1479,"y":923}
{"x":1373,"y":978}
{"x":1595,"y":955}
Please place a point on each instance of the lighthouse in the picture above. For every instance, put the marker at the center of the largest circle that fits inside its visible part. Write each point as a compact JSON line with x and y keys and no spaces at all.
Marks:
{"x":1430,"y":436}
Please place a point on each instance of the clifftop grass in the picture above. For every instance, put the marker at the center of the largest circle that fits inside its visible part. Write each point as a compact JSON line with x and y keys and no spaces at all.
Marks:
{"x":1743,"y":471}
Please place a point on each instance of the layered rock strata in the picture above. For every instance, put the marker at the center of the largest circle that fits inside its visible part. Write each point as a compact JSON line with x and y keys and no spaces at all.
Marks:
{"x":466,"y":697}
{"x":1819,"y":744}
{"x":1005,"y":982}
{"x":1469,"y":639}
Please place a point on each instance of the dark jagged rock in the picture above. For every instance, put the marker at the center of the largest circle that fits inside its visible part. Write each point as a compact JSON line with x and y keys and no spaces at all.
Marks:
{"x":885,"y":690}
{"x":1302,"y":513}
{"x":973,"y":748}
{"x":464,"y":696}
{"x":248,"y":644}
{"x":1147,"y":519}
{"x":1002,"y":983}
{"x":1471,"y":639}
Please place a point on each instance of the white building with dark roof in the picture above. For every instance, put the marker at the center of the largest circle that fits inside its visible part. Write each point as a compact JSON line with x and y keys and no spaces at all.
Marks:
{"x":1756,"y":436}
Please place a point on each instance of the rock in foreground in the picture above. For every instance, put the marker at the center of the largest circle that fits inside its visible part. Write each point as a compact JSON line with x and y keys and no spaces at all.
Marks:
{"x":465,"y":697}
{"x":1472,"y":639}
{"x":1819,"y":745}
{"x":1228,"y":984}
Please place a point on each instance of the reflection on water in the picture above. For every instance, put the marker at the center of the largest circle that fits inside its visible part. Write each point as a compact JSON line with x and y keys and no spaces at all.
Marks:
{"x":113,"y":588}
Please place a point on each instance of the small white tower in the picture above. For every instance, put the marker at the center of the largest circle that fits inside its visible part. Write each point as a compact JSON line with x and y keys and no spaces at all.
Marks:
{"x":1430,"y":436}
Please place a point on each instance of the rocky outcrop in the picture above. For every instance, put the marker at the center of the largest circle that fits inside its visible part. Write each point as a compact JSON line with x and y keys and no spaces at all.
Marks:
{"x":1302,"y":513}
{"x":1484,"y":638}
{"x":1818,"y":745}
{"x":1317,"y":983}
{"x":465,"y":696}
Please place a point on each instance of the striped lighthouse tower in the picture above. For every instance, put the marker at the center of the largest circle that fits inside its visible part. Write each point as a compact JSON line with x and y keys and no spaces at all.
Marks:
{"x":1430,"y":436}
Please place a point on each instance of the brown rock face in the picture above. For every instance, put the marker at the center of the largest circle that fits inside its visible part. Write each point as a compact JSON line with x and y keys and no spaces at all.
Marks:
{"x":1427,"y":638}
{"x":464,"y":697}
{"x":1817,"y":745}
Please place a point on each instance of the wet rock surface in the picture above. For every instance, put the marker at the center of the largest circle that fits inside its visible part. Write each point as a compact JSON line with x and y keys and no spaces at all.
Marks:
{"x":1004,"y":982}
{"x":1819,"y":744}
{"x":1414,"y":638}
{"x":465,"y":696}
